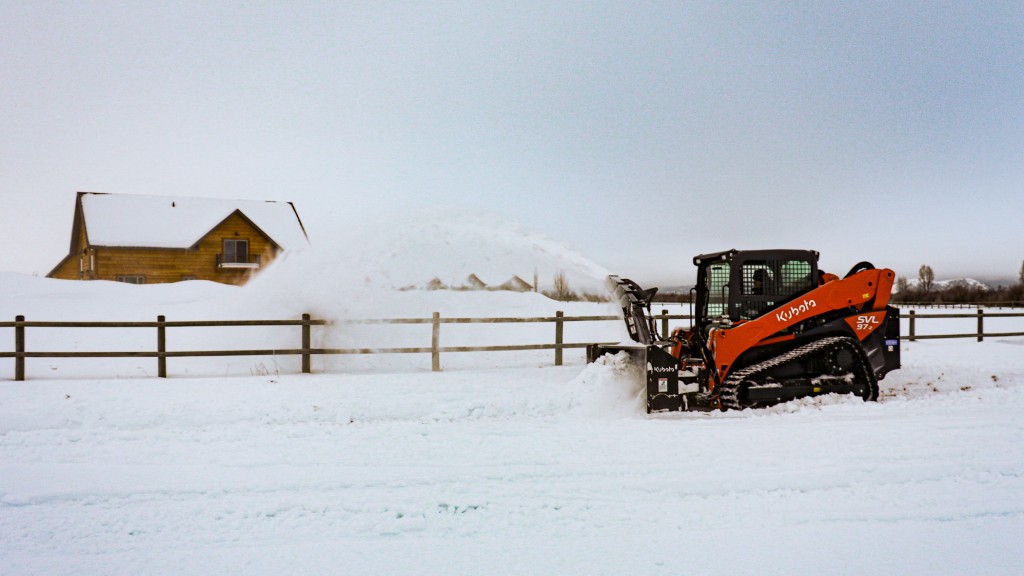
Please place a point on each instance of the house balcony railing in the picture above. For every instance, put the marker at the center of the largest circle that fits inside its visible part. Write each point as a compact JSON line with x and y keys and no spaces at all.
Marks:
{"x":227,"y":262}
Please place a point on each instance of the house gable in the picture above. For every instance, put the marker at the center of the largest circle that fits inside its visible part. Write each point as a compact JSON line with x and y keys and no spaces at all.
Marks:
{"x":229,"y":225}
{"x":70,"y":265}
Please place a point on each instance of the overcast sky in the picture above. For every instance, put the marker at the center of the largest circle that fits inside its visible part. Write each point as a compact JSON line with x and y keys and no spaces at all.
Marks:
{"x":637,"y":133}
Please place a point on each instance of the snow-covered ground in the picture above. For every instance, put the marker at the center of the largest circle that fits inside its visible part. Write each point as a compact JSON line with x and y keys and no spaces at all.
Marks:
{"x":500,"y":464}
{"x":511,"y":471}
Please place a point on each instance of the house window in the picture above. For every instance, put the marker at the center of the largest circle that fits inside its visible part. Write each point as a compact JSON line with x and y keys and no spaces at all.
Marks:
{"x":235,"y":251}
{"x":131,"y":279}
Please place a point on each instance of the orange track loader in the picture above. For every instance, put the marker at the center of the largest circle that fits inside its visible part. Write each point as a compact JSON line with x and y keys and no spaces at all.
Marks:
{"x":768,"y":327}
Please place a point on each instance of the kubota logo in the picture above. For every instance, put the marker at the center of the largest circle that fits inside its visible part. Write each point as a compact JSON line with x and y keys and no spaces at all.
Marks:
{"x":795,"y":310}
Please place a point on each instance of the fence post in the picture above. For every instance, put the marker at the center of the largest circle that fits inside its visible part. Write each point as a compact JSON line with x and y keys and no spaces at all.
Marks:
{"x":559,"y":334}
{"x":161,"y":347}
{"x":305,"y":344}
{"x":912,"y":325}
{"x":981,"y":324}
{"x":435,"y":352}
{"x":664,"y":323}
{"x":19,"y":348}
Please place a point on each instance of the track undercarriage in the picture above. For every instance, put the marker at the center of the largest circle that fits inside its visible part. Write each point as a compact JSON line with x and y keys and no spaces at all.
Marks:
{"x":838,"y":364}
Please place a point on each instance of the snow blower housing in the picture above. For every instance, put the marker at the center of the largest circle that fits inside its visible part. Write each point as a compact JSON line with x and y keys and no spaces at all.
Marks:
{"x":768,"y":327}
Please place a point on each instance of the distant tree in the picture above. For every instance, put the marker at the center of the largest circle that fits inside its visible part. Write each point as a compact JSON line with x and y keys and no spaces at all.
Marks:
{"x":1014,"y":294}
{"x":927,"y":277}
{"x":1022,"y":272}
{"x":902,"y":285}
{"x":562,"y":292}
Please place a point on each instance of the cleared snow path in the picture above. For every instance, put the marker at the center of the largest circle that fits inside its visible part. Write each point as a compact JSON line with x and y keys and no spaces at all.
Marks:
{"x":512,"y":471}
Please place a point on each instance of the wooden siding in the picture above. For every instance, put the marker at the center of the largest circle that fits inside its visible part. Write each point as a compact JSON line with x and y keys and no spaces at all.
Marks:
{"x":66,"y":270}
{"x":160,"y":265}
{"x":75,"y":265}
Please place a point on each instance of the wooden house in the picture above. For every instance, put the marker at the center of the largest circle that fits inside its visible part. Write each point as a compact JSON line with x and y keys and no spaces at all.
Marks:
{"x":516,"y":284}
{"x":154,"y":239}
{"x":436,"y":284}
{"x":473,"y":282}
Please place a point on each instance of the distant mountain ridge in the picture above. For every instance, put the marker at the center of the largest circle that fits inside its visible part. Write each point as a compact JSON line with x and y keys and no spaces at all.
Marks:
{"x":952,"y":283}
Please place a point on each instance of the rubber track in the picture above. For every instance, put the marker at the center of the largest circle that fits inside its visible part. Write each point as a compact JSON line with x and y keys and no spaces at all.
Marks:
{"x":729,"y":390}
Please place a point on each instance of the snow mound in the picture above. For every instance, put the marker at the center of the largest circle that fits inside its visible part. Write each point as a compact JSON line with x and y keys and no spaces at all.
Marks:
{"x":611,"y":386}
{"x":62,"y":300}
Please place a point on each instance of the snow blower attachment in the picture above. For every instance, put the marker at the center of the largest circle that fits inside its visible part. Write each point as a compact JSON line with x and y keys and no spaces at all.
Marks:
{"x":768,"y":327}
{"x":651,"y":350}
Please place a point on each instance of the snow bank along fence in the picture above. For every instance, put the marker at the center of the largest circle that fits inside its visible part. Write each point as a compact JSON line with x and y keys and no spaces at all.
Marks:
{"x":306,"y":351}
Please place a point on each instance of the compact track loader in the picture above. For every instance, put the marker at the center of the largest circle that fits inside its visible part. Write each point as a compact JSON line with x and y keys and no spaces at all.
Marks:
{"x":768,"y":327}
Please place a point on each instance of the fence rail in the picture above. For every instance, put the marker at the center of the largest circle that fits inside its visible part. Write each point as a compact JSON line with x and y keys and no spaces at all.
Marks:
{"x":992,"y":304}
{"x":307,"y":351}
{"x":913,"y":316}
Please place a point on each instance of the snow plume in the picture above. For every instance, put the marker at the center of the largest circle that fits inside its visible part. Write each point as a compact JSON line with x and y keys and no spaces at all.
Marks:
{"x":380,"y":266}
{"x":358,"y":266}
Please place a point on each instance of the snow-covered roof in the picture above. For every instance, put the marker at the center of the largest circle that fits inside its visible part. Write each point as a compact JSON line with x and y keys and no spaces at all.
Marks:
{"x":180,"y":221}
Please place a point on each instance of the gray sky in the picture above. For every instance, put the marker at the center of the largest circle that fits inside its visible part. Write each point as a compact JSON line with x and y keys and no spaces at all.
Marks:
{"x":637,"y":133}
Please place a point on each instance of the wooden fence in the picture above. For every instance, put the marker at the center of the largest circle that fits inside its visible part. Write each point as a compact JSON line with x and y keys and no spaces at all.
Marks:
{"x":912,"y":318}
{"x":955,"y":305}
{"x":306,"y":351}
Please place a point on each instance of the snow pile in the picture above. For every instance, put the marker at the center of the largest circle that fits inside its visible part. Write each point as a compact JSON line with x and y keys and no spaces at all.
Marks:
{"x":613,"y":386}
{"x":48,"y":299}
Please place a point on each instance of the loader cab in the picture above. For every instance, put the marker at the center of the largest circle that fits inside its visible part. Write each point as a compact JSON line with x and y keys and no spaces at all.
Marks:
{"x":743,"y":285}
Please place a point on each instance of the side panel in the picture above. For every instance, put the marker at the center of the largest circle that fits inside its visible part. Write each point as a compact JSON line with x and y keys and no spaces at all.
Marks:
{"x":662,"y":381}
{"x":883,"y":345}
{"x":855,"y":292}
